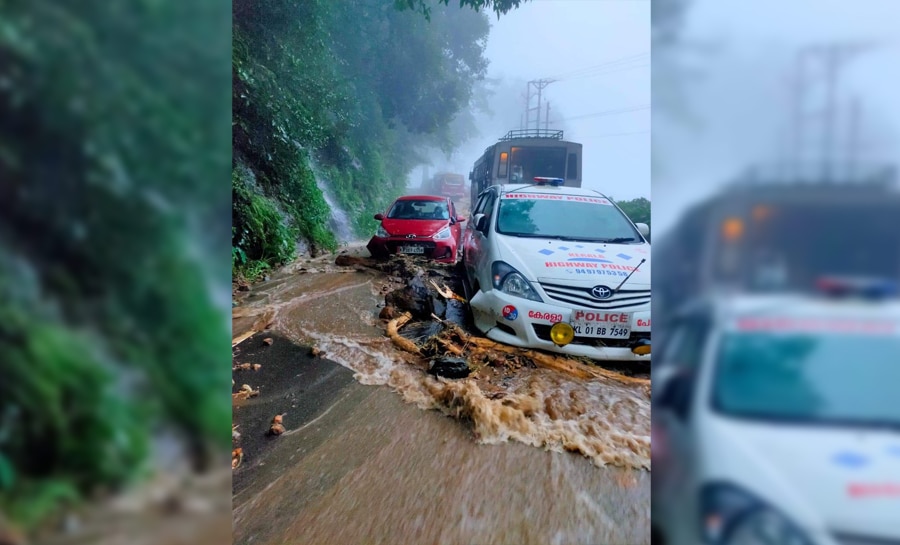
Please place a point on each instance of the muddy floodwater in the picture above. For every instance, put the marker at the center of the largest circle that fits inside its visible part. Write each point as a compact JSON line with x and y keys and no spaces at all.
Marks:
{"x":375,"y":450}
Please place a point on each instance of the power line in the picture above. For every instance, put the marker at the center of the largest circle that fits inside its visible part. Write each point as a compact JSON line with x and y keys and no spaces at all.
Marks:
{"x":607,"y":112}
{"x":617,"y":134}
{"x":605,"y":72}
{"x":579,"y":71}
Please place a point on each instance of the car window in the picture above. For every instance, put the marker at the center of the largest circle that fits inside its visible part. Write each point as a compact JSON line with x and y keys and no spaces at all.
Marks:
{"x":489,"y":209}
{"x":479,"y":207}
{"x":419,"y":210}
{"x":688,"y":341}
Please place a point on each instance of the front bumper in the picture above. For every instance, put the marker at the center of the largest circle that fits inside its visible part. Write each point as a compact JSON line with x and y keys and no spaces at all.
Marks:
{"x":442,"y":251}
{"x":518,"y":329}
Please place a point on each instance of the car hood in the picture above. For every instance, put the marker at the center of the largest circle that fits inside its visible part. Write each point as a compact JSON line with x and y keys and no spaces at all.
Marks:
{"x":848,"y":480}
{"x":579,"y":261}
{"x":420,"y":228}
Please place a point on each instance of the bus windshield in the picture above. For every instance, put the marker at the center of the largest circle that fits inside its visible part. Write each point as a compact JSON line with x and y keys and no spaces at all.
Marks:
{"x":526,"y":163}
{"x":566,"y":217}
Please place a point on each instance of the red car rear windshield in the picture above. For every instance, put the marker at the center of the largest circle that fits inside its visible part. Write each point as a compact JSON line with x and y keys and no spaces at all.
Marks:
{"x":419,"y":210}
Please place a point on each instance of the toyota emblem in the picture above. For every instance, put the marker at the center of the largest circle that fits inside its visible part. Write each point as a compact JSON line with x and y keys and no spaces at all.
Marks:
{"x":601,"y":292}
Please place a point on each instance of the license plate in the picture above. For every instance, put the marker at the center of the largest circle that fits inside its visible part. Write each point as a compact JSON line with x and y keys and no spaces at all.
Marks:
{"x":412,"y":249}
{"x":597,"y":331}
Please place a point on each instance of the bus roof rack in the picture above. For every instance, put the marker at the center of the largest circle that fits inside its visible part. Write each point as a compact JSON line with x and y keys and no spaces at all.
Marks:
{"x":532,"y":133}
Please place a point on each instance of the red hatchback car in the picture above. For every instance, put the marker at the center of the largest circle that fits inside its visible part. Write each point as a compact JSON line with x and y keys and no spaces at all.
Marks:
{"x":420,"y":225}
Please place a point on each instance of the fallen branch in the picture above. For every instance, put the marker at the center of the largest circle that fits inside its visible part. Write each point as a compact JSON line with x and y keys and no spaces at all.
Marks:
{"x":351,"y":261}
{"x":446,"y":292}
{"x":261,"y":324}
{"x":557,"y":363}
{"x":393,"y":331}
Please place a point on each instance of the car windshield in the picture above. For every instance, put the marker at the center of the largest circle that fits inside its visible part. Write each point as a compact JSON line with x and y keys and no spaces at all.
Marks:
{"x":567,"y":217}
{"x":809,"y":377}
{"x":419,"y":210}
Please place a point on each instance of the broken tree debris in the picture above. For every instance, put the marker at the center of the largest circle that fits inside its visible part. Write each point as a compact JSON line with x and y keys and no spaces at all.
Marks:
{"x":245,"y":392}
{"x":430,"y":293}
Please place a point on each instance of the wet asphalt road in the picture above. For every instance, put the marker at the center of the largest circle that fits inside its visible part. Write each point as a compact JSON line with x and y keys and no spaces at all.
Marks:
{"x":357,"y":465}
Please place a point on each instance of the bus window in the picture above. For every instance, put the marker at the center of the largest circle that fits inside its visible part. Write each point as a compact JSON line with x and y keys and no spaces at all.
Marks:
{"x":572,"y":167}
{"x":539,"y":161}
{"x":504,"y":157}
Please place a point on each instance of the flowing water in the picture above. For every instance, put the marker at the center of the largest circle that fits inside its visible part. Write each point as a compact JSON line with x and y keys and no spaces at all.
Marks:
{"x":528,"y":495}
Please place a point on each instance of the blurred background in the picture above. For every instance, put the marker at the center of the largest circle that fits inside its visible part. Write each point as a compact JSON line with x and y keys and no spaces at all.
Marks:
{"x":775,"y":196}
{"x":114,"y":271}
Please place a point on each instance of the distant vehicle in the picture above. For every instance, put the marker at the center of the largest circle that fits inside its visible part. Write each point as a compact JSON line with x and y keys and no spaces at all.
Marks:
{"x":522,"y":155}
{"x":426,"y":225}
{"x":775,"y":415}
{"x":773,"y":231}
{"x":560,"y":269}
{"x":448,"y":185}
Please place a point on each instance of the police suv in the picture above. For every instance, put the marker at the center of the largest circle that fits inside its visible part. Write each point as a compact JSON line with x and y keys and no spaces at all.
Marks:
{"x":776,"y":419}
{"x":558,"y":268}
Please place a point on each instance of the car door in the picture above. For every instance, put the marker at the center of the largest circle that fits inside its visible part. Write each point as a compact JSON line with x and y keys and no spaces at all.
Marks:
{"x":467,"y":236}
{"x":455,"y":227}
{"x":475,"y":239}
{"x":673,"y":492}
{"x":479,"y":242}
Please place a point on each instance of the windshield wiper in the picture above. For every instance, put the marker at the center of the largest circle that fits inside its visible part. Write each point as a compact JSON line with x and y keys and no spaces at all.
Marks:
{"x":618,"y":240}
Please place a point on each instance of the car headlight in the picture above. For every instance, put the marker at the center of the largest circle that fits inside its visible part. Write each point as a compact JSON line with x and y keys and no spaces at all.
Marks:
{"x":381,"y":232}
{"x":732,"y":516}
{"x":510,"y":281}
{"x":443,"y":234}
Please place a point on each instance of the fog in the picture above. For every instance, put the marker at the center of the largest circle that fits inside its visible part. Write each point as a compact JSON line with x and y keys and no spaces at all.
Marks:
{"x":599,"y":55}
{"x":738,"y":61}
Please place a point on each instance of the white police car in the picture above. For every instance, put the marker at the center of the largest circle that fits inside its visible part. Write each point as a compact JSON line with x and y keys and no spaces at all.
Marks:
{"x":776,"y":419}
{"x":560,"y":269}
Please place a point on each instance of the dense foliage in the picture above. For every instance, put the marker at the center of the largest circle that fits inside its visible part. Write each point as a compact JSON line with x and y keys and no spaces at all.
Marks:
{"x":339,"y":94}
{"x":637,"y":209}
{"x":113,"y":150}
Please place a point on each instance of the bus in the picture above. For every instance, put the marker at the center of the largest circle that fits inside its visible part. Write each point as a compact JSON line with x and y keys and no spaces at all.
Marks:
{"x":521,"y":155}
{"x":448,"y":184}
{"x":766,"y":232}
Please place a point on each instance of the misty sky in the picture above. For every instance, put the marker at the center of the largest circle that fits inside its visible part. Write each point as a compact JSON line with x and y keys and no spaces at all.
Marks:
{"x":548,"y":38}
{"x":743,"y":59}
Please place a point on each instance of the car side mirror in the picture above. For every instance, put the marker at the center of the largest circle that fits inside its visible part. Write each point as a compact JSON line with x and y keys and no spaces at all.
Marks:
{"x":480,"y":222}
{"x":643,"y":229}
{"x":676,"y":392}
{"x":379,"y":217}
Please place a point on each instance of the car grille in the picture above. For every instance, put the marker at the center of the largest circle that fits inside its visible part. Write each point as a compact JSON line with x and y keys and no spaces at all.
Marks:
{"x":847,"y":539}
{"x":543,"y":332}
{"x":569,"y":295}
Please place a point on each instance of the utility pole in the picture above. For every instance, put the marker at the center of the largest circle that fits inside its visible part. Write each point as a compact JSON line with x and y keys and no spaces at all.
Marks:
{"x":527,"y":104}
{"x":798,"y":92}
{"x":539,"y":85}
{"x":831,"y":59}
{"x":853,"y":137}
{"x":547,"y":118}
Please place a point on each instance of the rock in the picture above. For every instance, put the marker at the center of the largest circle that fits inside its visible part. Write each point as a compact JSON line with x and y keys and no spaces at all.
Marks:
{"x":388,"y":313}
{"x":416,"y":301}
{"x":449,"y":367}
{"x":315,"y":352}
{"x":268,"y":341}
{"x":277,"y":428}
